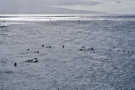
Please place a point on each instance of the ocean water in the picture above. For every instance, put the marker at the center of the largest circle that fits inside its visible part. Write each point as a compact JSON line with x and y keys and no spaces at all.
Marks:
{"x":73,"y":52}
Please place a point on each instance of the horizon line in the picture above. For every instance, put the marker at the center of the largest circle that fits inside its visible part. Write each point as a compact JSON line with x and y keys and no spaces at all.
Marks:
{"x":68,"y":15}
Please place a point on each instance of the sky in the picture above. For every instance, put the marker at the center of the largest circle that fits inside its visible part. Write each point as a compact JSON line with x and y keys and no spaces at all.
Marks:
{"x":67,"y":6}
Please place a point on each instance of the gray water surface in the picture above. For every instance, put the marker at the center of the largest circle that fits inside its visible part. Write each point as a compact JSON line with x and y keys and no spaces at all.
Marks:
{"x":97,"y":55}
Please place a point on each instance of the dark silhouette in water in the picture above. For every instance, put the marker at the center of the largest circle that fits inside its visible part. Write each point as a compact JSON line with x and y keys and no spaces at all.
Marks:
{"x":28,"y":49}
{"x":63,"y":46}
{"x":36,"y":52}
{"x":42,"y":45}
{"x":48,"y":46}
{"x":3,"y":26}
{"x":91,"y":49}
{"x":34,"y":60}
{"x":15,"y":64}
{"x":82,"y":48}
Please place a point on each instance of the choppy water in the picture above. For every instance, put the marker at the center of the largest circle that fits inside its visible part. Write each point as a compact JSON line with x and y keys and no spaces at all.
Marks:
{"x":97,"y":55}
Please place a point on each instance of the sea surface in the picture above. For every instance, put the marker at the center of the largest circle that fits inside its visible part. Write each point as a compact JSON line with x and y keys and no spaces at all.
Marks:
{"x":72,"y":52}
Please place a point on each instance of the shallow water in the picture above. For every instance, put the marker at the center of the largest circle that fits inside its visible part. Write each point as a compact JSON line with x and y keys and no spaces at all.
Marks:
{"x":110,"y":66}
